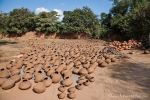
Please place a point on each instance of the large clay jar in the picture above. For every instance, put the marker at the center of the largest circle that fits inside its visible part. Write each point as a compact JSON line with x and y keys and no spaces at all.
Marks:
{"x":4,"y":73}
{"x":67,"y":81}
{"x":2,"y":80}
{"x":8,"y":84}
{"x":47,"y":81}
{"x":71,"y":89}
{"x":72,"y":95}
{"x":87,"y":83}
{"x":56,"y":77}
{"x":16,"y":78}
{"x":39,"y":87}
{"x":92,"y":79}
{"x":79,"y":86}
{"x":83,"y":71}
{"x":90,"y":70}
{"x":61,"y":95}
{"x":50,"y":71}
{"x":39,"y":77}
{"x":108,"y":61}
{"x":62,"y":88}
{"x":113,"y":59}
{"x":15,"y":72}
{"x":104,"y":64}
{"x":24,"y":85}
{"x":27,"y":76}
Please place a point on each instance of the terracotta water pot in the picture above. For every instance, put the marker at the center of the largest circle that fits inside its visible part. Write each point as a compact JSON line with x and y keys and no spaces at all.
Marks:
{"x":87,"y":83}
{"x":104,"y":64}
{"x":62,"y":88}
{"x":64,"y":71}
{"x":4,"y":73}
{"x":2,"y":80}
{"x":18,"y":65}
{"x":16,"y":78}
{"x":71,"y":89}
{"x":15,"y":71}
{"x":79,"y":86}
{"x":30,"y":70}
{"x":8,"y":66}
{"x":83,"y":71}
{"x":81,"y":81}
{"x":88,"y":76}
{"x":92,"y":79}
{"x":76,"y":70}
{"x":47,"y":81}
{"x":8,"y":84}
{"x":86,"y":64}
{"x":72,"y":95}
{"x":107,"y":60}
{"x":67,"y":74}
{"x":67,"y":81}
{"x":61,"y":95}
{"x":50,"y":71}
{"x":27,"y":76}
{"x":90,"y":70}
{"x":39,"y":77}
{"x":39,"y":87}
{"x":113,"y":59}
{"x":24,"y":84}
{"x":82,"y":77}
{"x":56,"y":77}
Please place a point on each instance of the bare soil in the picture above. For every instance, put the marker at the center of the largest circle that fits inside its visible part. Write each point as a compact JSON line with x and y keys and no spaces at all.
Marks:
{"x":126,"y":79}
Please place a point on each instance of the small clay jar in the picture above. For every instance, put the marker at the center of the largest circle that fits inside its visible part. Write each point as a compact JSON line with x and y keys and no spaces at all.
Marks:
{"x":71,"y":89}
{"x":90,"y":70}
{"x":80,"y":81}
{"x":27,"y":76}
{"x":88,"y":76}
{"x":113,"y":59}
{"x":72,"y":95}
{"x":56,"y":77}
{"x":83,"y":71}
{"x":2,"y":80}
{"x":8,"y":84}
{"x":62,"y":88}
{"x":18,"y":65}
{"x":61,"y":95}
{"x":30,"y":70}
{"x":87,"y":83}
{"x":107,"y":60}
{"x":24,"y":84}
{"x":39,"y":87}
{"x":92,"y":79}
{"x":79,"y":86}
{"x":67,"y":81}
{"x":16,"y":78}
{"x":4,"y":73}
{"x":76,"y":70}
{"x":67,"y":74}
{"x":104,"y":64}
{"x":82,"y":77}
{"x":50,"y":71}
{"x":47,"y":81}
{"x":39,"y":77}
{"x":8,"y":66}
{"x":15,"y":71}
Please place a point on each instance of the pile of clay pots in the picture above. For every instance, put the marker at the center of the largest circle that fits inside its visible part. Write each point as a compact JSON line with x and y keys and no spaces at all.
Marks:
{"x":125,"y":45}
{"x":55,"y":63}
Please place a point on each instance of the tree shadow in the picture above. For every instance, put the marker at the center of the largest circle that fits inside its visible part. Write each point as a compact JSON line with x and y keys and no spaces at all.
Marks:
{"x":135,"y":74}
{"x":6,"y":42}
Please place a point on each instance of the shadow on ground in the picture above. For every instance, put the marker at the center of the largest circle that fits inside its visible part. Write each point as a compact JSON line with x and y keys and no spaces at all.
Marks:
{"x":6,"y":42}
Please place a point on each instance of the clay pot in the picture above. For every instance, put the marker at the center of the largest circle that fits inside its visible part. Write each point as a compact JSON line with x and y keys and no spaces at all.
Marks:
{"x":62,"y":88}
{"x":104,"y":64}
{"x":8,"y":84}
{"x":38,"y":67}
{"x":2,"y":80}
{"x":39,"y":77}
{"x":146,"y":52}
{"x":79,"y":86}
{"x":24,"y":84}
{"x":18,"y":65}
{"x":59,"y":69}
{"x":8,"y":66}
{"x":71,"y":95}
{"x":50,"y":71}
{"x":113,"y":59}
{"x":92,"y":79}
{"x":64,"y":71}
{"x":88,"y":76}
{"x":39,"y":87}
{"x":71,"y":89}
{"x":56,"y":77}
{"x":27,"y":76}
{"x":76,"y":70}
{"x":67,"y":74}
{"x":67,"y":81}
{"x":47,"y":81}
{"x":90,"y":70}
{"x":61,"y":95}
{"x":80,"y":81}
{"x":83,"y":71}
{"x":30,"y":70}
{"x":16,"y":78}
{"x":4,"y":73}
{"x":86,"y":64}
{"x":15,"y":71}
{"x":38,"y":72}
{"x":108,"y":61}
{"x":82,"y":77}
{"x":87,"y":83}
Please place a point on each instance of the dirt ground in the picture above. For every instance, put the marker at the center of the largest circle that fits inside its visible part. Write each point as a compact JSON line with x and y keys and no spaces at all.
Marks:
{"x":122,"y":80}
